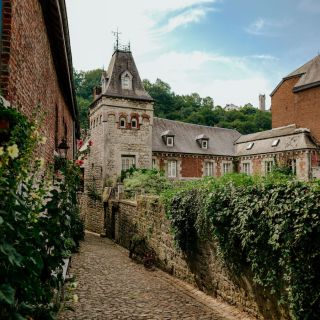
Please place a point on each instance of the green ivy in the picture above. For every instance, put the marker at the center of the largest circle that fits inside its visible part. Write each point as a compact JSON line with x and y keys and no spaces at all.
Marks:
{"x":270,"y":225}
{"x":39,"y":223}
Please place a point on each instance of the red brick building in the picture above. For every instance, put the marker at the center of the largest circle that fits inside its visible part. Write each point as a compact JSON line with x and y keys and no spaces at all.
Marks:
{"x":296,"y":100}
{"x":36,"y":67}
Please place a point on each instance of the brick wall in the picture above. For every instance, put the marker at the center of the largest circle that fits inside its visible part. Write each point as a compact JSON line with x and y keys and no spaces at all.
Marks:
{"x":301,"y":108}
{"x":189,"y":166}
{"x":28,"y":76}
{"x":205,"y":270}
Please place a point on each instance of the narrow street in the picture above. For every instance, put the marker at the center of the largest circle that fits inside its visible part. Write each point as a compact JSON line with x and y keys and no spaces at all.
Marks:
{"x":111,"y":286}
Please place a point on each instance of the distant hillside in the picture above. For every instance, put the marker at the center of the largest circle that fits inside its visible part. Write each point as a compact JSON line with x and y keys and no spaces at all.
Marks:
{"x":188,"y":108}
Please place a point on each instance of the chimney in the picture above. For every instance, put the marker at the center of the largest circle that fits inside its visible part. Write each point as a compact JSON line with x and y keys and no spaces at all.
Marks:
{"x":262,"y":102}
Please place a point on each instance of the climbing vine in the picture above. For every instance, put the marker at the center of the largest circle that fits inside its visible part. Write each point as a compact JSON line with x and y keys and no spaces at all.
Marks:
{"x":270,"y":225}
{"x":39,"y":221}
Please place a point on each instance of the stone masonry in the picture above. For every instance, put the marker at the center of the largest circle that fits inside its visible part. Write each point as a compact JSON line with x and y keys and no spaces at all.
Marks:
{"x":206,"y":271}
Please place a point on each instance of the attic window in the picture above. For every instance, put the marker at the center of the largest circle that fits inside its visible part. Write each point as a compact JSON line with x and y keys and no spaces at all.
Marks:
{"x":126,"y":80}
{"x":204,"y":144}
{"x":170,"y":141}
{"x":250,"y":146}
{"x":275,"y":142}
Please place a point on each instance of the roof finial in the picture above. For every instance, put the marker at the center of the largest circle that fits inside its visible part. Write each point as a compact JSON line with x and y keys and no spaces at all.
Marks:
{"x":116,"y":34}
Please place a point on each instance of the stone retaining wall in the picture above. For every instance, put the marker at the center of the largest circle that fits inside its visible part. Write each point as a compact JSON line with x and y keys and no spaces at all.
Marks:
{"x":146,"y":219}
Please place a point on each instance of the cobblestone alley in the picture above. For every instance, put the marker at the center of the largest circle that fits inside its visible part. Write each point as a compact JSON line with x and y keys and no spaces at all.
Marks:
{"x":111,"y":286}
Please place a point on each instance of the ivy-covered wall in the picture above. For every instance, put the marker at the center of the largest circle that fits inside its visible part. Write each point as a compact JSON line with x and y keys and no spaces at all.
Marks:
{"x":128,"y":221}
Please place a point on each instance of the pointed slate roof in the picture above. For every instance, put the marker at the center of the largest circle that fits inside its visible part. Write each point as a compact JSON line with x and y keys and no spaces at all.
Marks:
{"x":122,"y":61}
{"x":309,"y":75}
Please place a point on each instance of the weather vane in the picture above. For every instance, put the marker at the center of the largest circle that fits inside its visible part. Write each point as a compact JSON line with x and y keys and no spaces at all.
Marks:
{"x":117,"y":45}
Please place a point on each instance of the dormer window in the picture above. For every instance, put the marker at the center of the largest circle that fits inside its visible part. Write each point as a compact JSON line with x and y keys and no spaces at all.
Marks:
{"x":122,"y":123}
{"x":170,"y":141}
{"x":204,"y":144}
{"x":168,"y":138}
{"x":126,"y":80}
{"x":203,"y":141}
{"x":134,"y":123}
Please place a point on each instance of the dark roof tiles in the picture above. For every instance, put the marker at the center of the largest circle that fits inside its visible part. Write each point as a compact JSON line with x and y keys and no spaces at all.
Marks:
{"x":221,"y":141}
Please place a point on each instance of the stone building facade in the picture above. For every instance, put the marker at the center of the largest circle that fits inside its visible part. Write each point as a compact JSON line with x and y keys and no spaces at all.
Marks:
{"x":36,"y":68}
{"x":121,"y":119}
{"x":125,"y":133}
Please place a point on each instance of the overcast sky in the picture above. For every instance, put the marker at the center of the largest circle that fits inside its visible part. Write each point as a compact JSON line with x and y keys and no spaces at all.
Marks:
{"x":230,"y":50}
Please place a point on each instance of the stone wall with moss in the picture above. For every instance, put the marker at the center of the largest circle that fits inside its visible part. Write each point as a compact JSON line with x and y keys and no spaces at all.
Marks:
{"x":126,"y":220}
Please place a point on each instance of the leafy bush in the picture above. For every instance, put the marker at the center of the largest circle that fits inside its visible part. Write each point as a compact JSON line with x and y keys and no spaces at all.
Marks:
{"x":39,"y":223}
{"x":146,"y":181}
{"x":271,"y":225}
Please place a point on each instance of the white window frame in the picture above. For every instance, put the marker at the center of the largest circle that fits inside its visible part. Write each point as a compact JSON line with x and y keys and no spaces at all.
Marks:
{"x":246,"y":168}
{"x":170,"y":141}
{"x":293,"y":166}
{"x":226,"y":167}
{"x":172,"y":168}
{"x":204,"y":144}
{"x":268,"y":164}
{"x":127,"y":162}
{"x":126,"y":80}
{"x":250,"y":146}
{"x":154,"y":165}
{"x":208,"y":169}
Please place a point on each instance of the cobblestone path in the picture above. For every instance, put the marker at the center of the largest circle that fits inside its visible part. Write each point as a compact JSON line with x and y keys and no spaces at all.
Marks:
{"x":111,"y":286}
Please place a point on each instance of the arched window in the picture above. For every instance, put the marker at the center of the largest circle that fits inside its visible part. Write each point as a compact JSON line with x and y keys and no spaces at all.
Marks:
{"x":134,"y":123}
{"x":122,"y":123}
{"x":126,"y":80}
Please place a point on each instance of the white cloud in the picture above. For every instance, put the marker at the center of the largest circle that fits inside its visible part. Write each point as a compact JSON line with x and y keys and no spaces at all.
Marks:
{"x":267,"y":27}
{"x":194,"y":15}
{"x":256,"y":27}
{"x":226,"y":79}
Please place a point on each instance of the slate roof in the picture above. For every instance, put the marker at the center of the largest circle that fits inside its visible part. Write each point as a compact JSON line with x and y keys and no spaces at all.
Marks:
{"x":277,"y":132}
{"x":221,"y":141}
{"x":120,"y":62}
{"x":309,"y":75}
{"x":290,"y":138}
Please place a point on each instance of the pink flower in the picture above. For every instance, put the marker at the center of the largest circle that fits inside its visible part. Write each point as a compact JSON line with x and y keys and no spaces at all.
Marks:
{"x":80,"y":143}
{"x":79,"y":162}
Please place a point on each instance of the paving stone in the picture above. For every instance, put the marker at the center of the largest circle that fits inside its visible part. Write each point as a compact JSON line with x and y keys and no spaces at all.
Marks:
{"x":111,"y":286}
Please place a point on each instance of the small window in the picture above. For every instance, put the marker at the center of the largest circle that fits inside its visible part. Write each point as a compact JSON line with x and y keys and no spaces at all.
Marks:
{"x":127,"y":162}
{"x":293,"y":165}
{"x":208,"y":169}
{"x":122,"y":123}
{"x":226,"y":168}
{"x":153,"y":163}
{"x":100,"y":119}
{"x":268,"y":166}
{"x":172,"y":168}
{"x":134,"y":123}
{"x":250,"y":146}
{"x":275,"y":142}
{"x":246,"y":168}
{"x":170,"y":141}
{"x":126,"y":80}
{"x":204,"y":144}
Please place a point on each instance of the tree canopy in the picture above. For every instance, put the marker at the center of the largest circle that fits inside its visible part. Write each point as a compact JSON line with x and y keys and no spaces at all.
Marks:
{"x":187,"y":108}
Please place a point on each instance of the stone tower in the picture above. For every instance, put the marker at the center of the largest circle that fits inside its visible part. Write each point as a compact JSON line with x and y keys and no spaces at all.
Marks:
{"x":121,"y":118}
{"x":262,"y":102}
